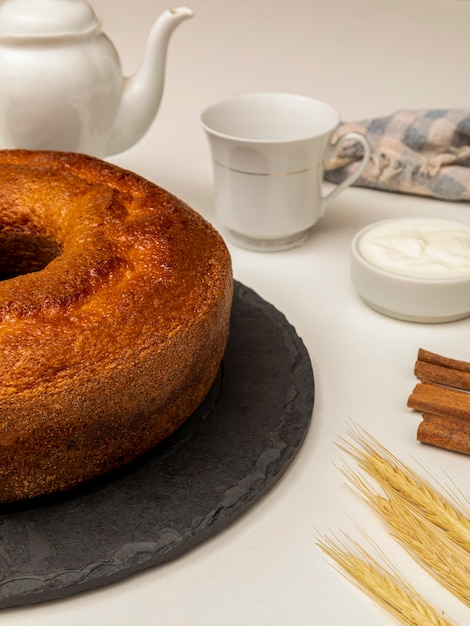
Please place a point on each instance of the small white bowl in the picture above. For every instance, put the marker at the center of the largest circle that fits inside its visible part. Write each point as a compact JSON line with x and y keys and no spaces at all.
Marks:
{"x":414,"y":269}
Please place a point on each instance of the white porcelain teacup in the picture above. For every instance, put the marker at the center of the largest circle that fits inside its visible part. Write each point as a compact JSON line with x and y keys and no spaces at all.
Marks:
{"x":268,"y":151}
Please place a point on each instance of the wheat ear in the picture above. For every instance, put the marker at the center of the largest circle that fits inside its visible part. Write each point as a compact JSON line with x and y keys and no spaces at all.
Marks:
{"x":427,"y":543}
{"x":395,"y":477}
{"x":389,"y":590}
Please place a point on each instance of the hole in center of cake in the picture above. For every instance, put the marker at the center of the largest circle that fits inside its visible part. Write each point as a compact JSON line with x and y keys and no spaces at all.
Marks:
{"x":23,"y":252}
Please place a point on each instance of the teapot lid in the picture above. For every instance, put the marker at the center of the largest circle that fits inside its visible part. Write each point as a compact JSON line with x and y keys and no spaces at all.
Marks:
{"x":47,"y":18}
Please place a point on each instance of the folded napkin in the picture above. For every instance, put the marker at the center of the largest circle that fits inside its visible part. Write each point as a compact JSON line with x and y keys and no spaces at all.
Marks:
{"x":424,"y":152}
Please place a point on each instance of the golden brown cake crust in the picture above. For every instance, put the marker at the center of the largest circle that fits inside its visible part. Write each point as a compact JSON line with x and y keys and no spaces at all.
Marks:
{"x":117,"y":338}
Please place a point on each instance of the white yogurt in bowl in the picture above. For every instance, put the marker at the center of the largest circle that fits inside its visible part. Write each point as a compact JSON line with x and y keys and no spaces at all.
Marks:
{"x":416,"y":269}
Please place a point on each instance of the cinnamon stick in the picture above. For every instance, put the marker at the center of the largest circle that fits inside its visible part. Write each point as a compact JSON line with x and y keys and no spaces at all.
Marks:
{"x":443,"y":375}
{"x":443,"y":361}
{"x":443,"y":398}
{"x":445,"y":432}
{"x":437,"y":400}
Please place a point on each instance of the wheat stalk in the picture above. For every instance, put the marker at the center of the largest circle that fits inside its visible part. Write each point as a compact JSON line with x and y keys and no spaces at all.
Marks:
{"x":426,"y":542}
{"x":399,"y":480}
{"x":434,"y":529}
{"x":387,"y":588}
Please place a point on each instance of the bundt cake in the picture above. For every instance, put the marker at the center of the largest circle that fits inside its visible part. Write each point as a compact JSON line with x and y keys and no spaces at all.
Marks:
{"x":114,"y":315}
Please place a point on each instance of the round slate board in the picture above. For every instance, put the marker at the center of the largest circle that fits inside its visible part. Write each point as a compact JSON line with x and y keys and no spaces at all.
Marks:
{"x":229,"y":453}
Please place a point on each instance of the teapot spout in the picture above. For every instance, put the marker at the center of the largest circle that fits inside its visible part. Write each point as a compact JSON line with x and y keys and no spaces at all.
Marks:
{"x":142,"y":92}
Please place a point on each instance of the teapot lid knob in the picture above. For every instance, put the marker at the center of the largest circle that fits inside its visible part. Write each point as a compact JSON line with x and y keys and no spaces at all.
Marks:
{"x":47,"y":18}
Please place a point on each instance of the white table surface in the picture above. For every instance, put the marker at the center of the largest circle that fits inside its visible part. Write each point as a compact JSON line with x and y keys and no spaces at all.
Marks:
{"x":367,"y":58}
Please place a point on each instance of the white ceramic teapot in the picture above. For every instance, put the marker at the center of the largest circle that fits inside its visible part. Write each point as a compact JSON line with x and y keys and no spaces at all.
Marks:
{"x":61,"y":82}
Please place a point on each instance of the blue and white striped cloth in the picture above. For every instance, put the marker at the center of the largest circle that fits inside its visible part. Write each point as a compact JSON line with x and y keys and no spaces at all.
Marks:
{"x":424,"y":152}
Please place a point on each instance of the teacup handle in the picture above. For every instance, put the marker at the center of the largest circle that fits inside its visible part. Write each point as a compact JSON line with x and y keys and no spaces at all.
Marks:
{"x":355,"y":175}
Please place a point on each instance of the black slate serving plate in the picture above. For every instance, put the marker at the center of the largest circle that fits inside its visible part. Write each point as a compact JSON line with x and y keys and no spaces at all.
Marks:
{"x":229,"y":453}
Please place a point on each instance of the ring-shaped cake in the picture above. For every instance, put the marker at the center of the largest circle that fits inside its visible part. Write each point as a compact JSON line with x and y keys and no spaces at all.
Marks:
{"x":114,"y":316}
